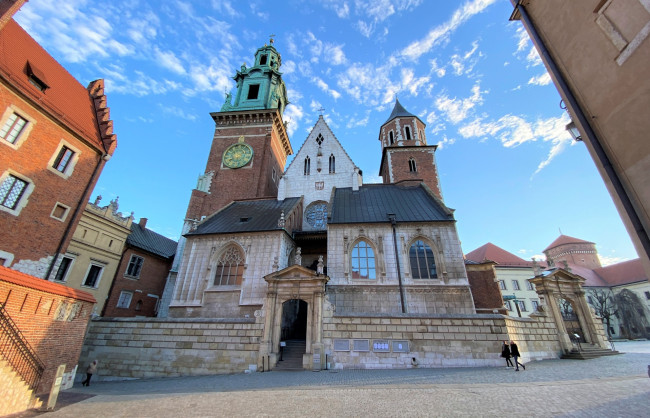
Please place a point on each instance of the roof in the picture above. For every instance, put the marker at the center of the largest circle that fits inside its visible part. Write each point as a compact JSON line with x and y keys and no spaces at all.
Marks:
{"x":399,"y":112}
{"x":25,"y":280}
{"x":565,"y":239}
{"x":622,"y":273}
{"x":150,"y":241}
{"x":500,"y":256}
{"x":65,"y":97}
{"x":252,"y":215}
{"x":590,"y":276}
{"x":373,"y":202}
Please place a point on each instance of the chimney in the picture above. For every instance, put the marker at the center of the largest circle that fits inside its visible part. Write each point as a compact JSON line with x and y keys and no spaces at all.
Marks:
{"x":143,"y":223}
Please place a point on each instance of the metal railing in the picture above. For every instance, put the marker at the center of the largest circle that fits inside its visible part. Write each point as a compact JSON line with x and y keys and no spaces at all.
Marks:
{"x":15,"y":349}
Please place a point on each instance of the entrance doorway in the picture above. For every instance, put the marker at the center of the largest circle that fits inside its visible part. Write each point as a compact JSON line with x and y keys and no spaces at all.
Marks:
{"x":294,"y":320}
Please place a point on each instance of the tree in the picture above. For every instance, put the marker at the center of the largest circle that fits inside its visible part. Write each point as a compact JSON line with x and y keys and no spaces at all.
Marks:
{"x":633,"y":314}
{"x":602,"y":301}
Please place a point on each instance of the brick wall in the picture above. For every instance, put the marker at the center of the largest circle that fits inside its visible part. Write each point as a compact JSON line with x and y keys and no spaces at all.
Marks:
{"x":137,"y":348}
{"x":485,"y":288}
{"x":52,"y":317}
{"x":149,"y":284}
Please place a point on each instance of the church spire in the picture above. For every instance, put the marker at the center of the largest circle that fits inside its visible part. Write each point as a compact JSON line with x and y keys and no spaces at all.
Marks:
{"x":259,"y":86}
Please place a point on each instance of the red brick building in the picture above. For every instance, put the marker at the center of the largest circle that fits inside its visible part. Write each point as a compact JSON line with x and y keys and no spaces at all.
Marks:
{"x":52,"y":319}
{"x":55,"y":137}
{"x":140,"y":279}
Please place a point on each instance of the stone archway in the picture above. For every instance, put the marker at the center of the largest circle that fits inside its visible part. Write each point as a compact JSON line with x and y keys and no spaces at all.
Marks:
{"x":556,"y":285}
{"x":294,"y":283}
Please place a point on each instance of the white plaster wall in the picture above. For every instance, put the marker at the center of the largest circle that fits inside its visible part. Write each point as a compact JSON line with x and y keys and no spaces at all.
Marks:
{"x":508,"y":274}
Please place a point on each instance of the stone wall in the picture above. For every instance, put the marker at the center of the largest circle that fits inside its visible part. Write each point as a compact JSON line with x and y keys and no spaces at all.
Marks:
{"x":536,"y":336}
{"x":140,"y":348}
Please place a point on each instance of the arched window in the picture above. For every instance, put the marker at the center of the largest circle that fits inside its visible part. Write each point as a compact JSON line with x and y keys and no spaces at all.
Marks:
{"x":230,"y":267}
{"x":332,"y":164}
{"x":363,"y":261}
{"x":412,"y":166}
{"x":307,"y":166}
{"x":407,"y":131}
{"x":391,"y":139}
{"x":423,"y":265}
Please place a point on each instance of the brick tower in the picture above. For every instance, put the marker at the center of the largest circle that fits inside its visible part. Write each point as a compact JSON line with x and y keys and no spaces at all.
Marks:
{"x":406,"y":157}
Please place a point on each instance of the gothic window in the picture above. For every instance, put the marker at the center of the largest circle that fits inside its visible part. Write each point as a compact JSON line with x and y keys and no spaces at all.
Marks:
{"x":391,"y":138}
{"x":423,"y":265}
{"x":230,"y":267}
{"x":412,"y":166}
{"x":307,"y":166}
{"x":407,"y":131}
{"x":363,"y":261}
{"x":320,"y":139}
{"x":332,"y":164}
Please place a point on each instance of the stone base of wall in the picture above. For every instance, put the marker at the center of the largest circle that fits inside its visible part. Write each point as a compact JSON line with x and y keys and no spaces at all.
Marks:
{"x":215,"y":304}
{"x":140,"y":348}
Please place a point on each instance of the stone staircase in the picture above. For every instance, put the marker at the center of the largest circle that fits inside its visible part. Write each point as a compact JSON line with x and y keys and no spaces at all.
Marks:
{"x":588,"y":351}
{"x":16,"y":394}
{"x":292,"y":356}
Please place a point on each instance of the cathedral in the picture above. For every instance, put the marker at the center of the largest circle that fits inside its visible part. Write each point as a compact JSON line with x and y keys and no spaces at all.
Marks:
{"x":290,"y":244}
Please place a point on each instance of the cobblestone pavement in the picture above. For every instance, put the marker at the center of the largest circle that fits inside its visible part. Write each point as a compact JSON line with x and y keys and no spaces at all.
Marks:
{"x":607,"y":386}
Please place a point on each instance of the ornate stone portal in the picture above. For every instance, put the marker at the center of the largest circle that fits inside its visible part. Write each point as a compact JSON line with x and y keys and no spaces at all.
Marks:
{"x":556,"y":285}
{"x":293,"y":283}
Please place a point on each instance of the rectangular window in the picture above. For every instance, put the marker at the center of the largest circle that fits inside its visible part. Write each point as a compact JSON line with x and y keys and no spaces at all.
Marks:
{"x":92,"y":278}
{"x":11,"y":191}
{"x":63,"y":159}
{"x":502,"y":285}
{"x":522,"y":305}
{"x":529,"y":285}
{"x":515,"y":285}
{"x":12,"y":128}
{"x":263,"y":59}
{"x":125,"y":299}
{"x":508,"y":305}
{"x":253,"y":91}
{"x":135,"y":265}
{"x":535,"y":304}
{"x":62,"y":272}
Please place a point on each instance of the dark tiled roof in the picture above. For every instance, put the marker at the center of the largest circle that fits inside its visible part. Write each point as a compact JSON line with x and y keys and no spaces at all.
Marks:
{"x":64,"y":95}
{"x":500,"y":256}
{"x":399,"y":112}
{"x":372,"y":202}
{"x":150,"y":241}
{"x":260,"y":215}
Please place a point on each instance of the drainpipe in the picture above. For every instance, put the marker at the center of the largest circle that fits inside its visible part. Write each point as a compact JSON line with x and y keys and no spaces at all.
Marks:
{"x":393,"y":222}
{"x":591,"y":136}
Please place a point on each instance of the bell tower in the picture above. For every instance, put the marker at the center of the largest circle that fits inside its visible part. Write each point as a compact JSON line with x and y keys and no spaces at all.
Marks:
{"x":250,"y":144}
{"x":406,"y":157}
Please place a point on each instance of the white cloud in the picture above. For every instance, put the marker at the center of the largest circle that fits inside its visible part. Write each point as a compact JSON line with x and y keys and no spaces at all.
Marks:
{"x":533,"y":58}
{"x":609,"y":260}
{"x":169,"y":61}
{"x":293,"y":114}
{"x":540,"y":80}
{"x":445,"y":141}
{"x":439,"y":71}
{"x":323,"y":86}
{"x":225,"y":7}
{"x":177,"y":111}
{"x":288,"y":67}
{"x":457,"y":110}
{"x":315,"y":106}
{"x":441,"y":33}
{"x":522,"y":38}
{"x":465,"y":63}
{"x":354,"y":122}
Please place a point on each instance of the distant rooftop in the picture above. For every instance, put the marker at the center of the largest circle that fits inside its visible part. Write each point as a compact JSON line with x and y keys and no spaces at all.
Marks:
{"x":151,"y":241}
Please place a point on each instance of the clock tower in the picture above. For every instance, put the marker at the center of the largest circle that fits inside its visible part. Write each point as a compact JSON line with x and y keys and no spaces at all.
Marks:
{"x":250,"y":144}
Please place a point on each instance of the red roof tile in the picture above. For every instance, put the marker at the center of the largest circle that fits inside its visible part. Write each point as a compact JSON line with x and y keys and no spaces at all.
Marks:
{"x":65,"y":97}
{"x":622,"y":273}
{"x":22,"y":279}
{"x":565,"y":239}
{"x":502,"y":257}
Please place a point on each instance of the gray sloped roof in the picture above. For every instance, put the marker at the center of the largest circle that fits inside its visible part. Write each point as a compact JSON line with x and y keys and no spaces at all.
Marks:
{"x":372,"y":202}
{"x":150,"y":241}
{"x":399,"y":112}
{"x":260,"y":215}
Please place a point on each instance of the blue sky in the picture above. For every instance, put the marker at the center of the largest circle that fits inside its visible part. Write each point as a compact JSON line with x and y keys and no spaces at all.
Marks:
{"x":507,"y":165}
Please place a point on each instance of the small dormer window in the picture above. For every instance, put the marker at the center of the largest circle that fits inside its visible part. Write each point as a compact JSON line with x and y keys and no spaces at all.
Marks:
{"x":244,"y":219}
{"x":253,"y":91}
{"x":36,"y":77}
{"x":263,"y":59}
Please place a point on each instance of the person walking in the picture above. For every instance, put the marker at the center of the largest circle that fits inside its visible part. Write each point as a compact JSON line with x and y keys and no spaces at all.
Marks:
{"x":514,"y":351}
{"x":505,"y":353}
{"x":92,"y":369}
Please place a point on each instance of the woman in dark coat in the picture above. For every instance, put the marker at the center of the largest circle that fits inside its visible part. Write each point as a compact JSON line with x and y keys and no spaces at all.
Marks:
{"x":514,"y":350}
{"x":505,"y":353}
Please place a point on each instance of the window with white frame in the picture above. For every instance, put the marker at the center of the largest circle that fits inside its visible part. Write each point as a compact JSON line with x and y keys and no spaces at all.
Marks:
{"x":515,"y":285}
{"x":529,"y":285}
{"x":135,"y":266}
{"x":522,"y":305}
{"x":64,"y":269}
{"x":363,"y":261}
{"x":93,"y":275}
{"x":12,"y":190}
{"x":64,"y":159}
{"x":502,"y":285}
{"x":535,"y":304}
{"x":12,"y":128}
{"x":125,"y":299}
{"x":423,"y":264}
{"x":508,"y":305}
{"x":230,"y":267}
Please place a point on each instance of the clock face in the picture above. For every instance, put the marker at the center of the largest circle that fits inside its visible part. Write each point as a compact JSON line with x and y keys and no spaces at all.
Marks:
{"x":237,"y":155}
{"x":316,"y":215}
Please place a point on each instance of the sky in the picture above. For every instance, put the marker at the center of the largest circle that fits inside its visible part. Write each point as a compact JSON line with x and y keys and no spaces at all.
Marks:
{"x":506,"y":163}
